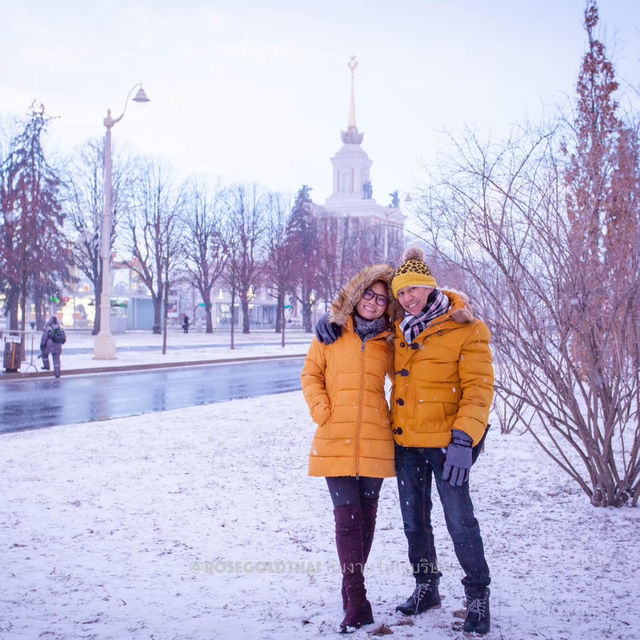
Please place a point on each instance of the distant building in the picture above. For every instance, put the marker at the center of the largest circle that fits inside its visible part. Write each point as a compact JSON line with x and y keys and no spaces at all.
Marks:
{"x":351,"y":210}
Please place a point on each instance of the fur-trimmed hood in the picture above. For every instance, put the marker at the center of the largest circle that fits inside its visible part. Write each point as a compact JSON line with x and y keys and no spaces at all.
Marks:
{"x":346,"y":301}
{"x":461,"y":310}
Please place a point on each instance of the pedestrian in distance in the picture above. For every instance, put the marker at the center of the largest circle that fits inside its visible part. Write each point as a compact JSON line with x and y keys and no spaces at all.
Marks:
{"x":185,"y":324}
{"x":344,"y":387}
{"x":442,"y":394}
{"x":51,"y":341}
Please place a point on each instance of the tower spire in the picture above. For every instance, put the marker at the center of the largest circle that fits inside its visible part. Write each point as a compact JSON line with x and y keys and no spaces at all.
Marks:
{"x":351,"y":135}
{"x":352,"y":64}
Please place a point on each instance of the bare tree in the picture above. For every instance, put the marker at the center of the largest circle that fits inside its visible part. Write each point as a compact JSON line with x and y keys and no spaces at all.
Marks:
{"x":231,"y":274}
{"x":280,"y":267}
{"x":204,"y":246}
{"x":544,"y":229}
{"x":84,"y":206}
{"x":333,"y":257}
{"x":499,"y":218}
{"x":153,"y":235}
{"x":602,"y":196}
{"x":344,"y":246}
{"x":245,"y":227}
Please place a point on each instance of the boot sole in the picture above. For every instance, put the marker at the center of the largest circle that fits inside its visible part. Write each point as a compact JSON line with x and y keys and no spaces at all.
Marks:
{"x":417,"y":613}
{"x":478,"y":633}
{"x":351,"y":629}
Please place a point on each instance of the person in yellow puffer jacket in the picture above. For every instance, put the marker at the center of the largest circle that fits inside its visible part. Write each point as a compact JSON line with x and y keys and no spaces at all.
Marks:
{"x":442,"y":394}
{"x":353,"y":447}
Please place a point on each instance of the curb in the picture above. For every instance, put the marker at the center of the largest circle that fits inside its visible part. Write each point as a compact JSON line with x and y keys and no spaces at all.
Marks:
{"x":142,"y":367}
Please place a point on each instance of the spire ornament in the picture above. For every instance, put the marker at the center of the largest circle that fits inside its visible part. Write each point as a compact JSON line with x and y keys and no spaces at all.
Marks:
{"x":351,"y":135}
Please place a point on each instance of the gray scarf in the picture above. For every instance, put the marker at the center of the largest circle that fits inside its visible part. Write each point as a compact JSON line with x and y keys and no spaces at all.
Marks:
{"x":368,"y":329}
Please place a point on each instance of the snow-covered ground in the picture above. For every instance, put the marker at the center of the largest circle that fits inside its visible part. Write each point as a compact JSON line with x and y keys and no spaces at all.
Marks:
{"x":202,"y":523}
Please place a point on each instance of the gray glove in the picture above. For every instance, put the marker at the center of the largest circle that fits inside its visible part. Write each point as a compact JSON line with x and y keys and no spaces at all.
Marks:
{"x":327,"y":332}
{"x":458,"y":461}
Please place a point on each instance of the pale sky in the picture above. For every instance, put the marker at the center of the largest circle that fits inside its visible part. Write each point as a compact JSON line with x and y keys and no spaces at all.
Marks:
{"x":258,"y":91}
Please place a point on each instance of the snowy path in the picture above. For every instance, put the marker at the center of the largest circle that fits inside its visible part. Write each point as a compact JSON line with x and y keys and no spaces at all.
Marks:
{"x":201,"y":523}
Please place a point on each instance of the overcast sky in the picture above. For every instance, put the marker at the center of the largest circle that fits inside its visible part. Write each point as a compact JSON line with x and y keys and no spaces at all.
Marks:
{"x":258,"y":90}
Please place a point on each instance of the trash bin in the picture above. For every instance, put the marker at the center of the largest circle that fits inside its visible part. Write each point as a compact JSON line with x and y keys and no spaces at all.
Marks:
{"x":12,"y":356}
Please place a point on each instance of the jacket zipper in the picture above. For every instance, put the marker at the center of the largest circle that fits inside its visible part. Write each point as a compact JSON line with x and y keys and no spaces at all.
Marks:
{"x":359,"y":417}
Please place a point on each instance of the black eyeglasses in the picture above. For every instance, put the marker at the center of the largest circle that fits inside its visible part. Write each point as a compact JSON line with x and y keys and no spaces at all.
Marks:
{"x":381,"y":300}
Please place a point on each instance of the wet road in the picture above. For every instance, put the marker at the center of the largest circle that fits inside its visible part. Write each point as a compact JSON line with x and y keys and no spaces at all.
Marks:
{"x":45,"y":402}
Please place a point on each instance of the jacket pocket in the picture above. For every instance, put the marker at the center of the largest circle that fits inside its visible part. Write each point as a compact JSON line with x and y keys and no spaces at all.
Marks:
{"x":321,"y":414}
{"x":435,"y":411}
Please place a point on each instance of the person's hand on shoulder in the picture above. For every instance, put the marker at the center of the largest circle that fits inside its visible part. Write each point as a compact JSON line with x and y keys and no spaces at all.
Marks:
{"x":327,"y":332}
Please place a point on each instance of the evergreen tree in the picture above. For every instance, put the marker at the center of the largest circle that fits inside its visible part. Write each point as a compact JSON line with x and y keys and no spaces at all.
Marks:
{"x":304,"y":237}
{"x":34,"y":253}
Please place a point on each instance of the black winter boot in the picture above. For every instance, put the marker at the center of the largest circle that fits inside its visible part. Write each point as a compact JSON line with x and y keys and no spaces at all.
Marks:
{"x":478,"y":618}
{"x":369,"y":513}
{"x":349,"y":542}
{"x":425,"y":596}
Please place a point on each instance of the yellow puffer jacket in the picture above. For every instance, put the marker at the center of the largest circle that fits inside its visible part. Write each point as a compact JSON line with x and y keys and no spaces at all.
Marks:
{"x":443,"y":380}
{"x":343,"y":384}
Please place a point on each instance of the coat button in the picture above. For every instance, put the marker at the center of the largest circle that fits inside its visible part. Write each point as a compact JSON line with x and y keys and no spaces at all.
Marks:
{"x":399,"y":431}
{"x":400,"y":401}
{"x":404,"y":373}
{"x":402,"y":344}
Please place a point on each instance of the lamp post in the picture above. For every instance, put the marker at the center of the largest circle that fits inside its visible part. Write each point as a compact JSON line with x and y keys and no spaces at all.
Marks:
{"x":104,"y":347}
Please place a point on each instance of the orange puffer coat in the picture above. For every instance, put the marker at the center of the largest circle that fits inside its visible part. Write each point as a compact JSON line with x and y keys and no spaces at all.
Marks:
{"x":343,"y":384}
{"x":443,"y":380}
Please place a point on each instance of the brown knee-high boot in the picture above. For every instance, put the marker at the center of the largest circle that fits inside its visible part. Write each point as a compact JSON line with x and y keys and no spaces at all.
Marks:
{"x":349,"y":541}
{"x":369,"y":513}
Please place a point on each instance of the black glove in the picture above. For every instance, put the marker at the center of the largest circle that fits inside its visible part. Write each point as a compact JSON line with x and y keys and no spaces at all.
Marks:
{"x":327,"y":332}
{"x":458,"y":461}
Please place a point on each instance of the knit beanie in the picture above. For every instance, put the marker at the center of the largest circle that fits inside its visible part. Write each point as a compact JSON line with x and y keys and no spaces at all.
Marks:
{"x":413,"y":272}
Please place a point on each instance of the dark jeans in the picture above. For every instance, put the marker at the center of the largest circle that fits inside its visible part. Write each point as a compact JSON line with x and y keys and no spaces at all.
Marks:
{"x":351,"y":490}
{"x":415,"y":469}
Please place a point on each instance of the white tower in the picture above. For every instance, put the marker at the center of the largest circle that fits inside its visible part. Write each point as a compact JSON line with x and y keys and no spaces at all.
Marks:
{"x":352,"y":197}
{"x":351,"y":165}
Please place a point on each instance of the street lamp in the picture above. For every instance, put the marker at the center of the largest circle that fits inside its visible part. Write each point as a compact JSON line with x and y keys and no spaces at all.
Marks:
{"x":104,"y":347}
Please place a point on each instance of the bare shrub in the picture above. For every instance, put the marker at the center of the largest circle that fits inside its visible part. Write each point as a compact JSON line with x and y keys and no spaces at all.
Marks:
{"x":499,"y":215}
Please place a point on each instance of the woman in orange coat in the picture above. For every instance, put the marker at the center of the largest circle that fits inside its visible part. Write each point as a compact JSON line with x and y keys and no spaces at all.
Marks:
{"x":344,"y":386}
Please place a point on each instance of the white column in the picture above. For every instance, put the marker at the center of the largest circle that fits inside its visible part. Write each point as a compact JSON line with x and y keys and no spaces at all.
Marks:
{"x":104,"y":347}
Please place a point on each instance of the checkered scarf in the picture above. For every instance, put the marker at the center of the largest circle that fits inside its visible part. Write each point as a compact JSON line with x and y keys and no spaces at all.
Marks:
{"x":413,"y":326}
